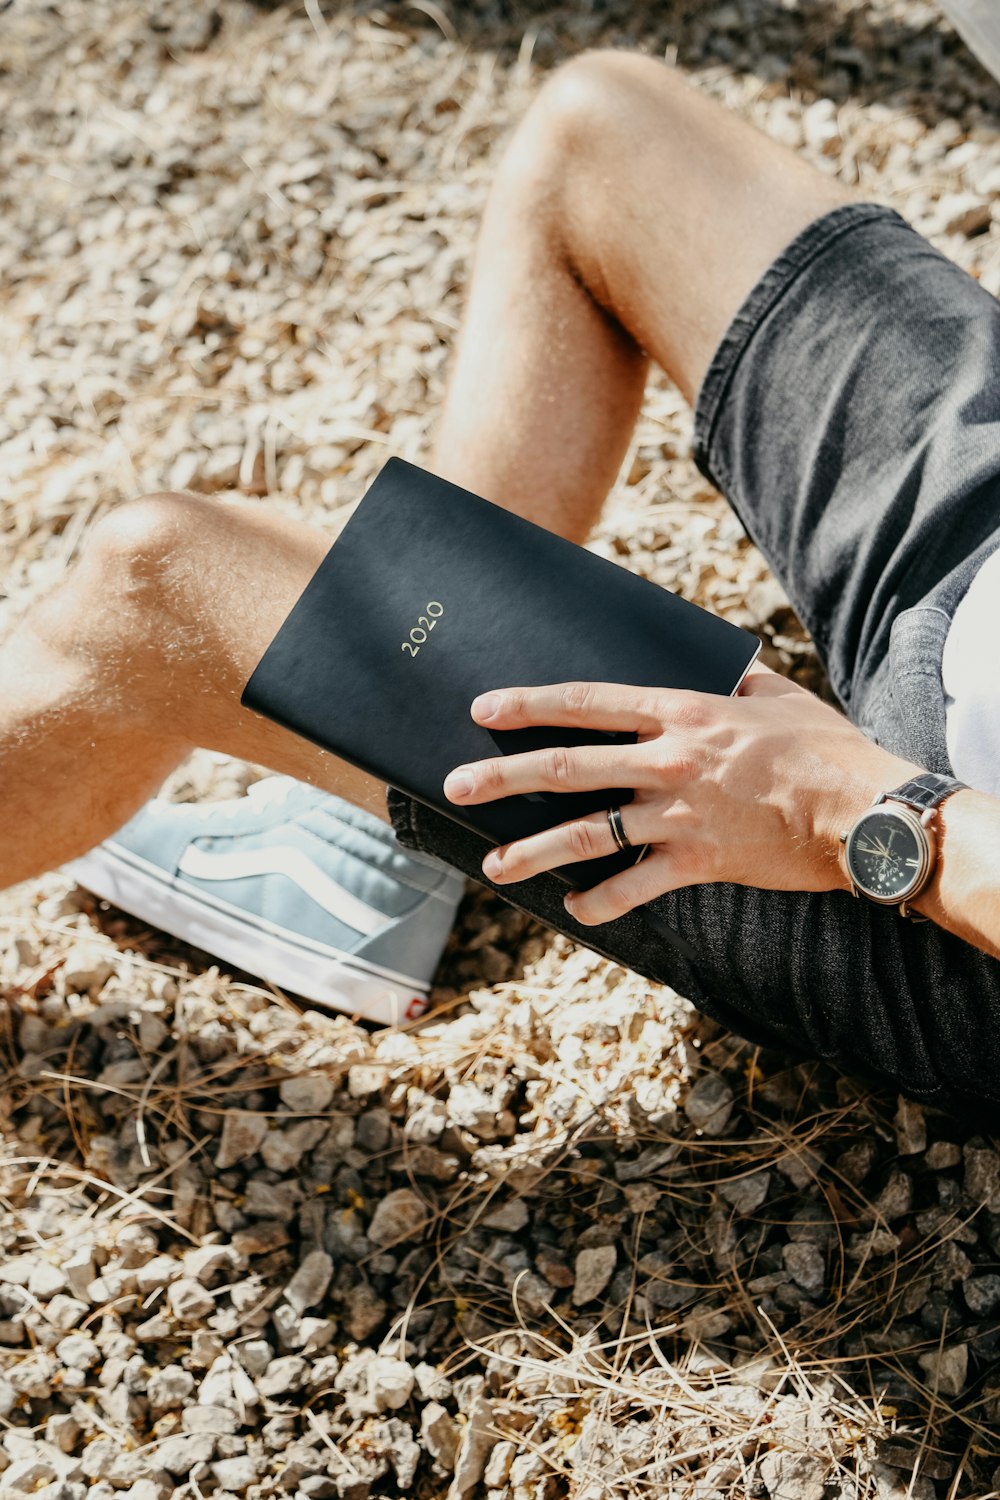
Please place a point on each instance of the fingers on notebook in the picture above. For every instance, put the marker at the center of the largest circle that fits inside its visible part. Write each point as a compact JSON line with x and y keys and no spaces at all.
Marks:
{"x":569,"y":843}
{"x":582,"y":768}
{"x":593,"y":705}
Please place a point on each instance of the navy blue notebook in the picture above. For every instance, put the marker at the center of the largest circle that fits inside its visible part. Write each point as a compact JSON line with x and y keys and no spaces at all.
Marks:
{"x":431,"y":595}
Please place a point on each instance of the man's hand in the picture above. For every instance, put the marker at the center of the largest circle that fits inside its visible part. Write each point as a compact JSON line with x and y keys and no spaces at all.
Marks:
{"x":753,"y":789}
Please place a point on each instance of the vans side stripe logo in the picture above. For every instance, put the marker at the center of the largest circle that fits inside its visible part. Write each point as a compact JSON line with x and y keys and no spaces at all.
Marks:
{"x":282,"y":859}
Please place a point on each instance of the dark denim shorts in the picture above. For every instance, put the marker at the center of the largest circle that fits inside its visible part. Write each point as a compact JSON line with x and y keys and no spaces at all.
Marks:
{"x":851,"y":416}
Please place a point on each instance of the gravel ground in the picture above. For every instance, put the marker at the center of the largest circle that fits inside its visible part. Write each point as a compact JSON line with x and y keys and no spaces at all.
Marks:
{"x":563,"y":1238}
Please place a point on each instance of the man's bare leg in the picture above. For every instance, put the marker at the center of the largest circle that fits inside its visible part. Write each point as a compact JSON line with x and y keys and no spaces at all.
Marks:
{"x":629,"y":215}
{"x":139,"y":655}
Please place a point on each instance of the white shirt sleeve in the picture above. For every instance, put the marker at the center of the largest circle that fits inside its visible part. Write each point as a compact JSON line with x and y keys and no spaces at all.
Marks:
{"x":970,"y":671}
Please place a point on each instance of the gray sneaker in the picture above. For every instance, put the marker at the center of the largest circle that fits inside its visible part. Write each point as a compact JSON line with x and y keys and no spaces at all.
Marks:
{"x":293,"y":885}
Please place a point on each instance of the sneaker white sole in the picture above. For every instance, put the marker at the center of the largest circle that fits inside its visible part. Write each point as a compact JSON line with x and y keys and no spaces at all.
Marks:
{"x":324,"y":976}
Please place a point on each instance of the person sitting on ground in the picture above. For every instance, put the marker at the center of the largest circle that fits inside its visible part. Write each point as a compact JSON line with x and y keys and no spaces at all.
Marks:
{"x":847,"y":402}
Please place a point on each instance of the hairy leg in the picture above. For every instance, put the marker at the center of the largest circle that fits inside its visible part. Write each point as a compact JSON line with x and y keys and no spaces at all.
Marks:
{"x":140,"y":654}
{"x":629,"y":218}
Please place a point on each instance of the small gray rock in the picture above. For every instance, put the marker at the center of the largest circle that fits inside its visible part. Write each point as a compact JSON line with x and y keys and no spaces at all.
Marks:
{"x":169,"y":1387}
{"x":149,"y":1489}
{"x":400,"y":1216}
{"x":216,"y":1388}
{"x":497,"y":1470}
{"x":891,"y":1484}
{"x":17,"y":1271}
{"x":205,"y":1262}
{"x":46,"y":1280}
{"x":288,"y":1325}
{"x":189,"y":1301}
{"x":33,"y":1034}
{"x":287,"y":1373}
{"x":982,"y":1294}
{"x":130,"y":1469}
{"x":439,"y":1433}
{"x":478,"y":1438}
{"x":206,"y":1347}
{"x":705,"y":1322}
{"x":309,"y":1284}
{"x":431,"y":1383}
{"x":527,"y":1468}
{"x":316,"y":1333}
{"x":793,"y":1476}
{"x":80,"y":1270}
{"x":242,"y":1134}
{"x":324,"y":1371}
{"x":65,"y":1312}
{"x":746,"y":1194}
{"x":282,"y":1150}
{"x":135,"y":1245}
{"x":255,"y":1355}
{"x":950,"y":1264}
{"x":911,"y":1127}
{"x":946,"y":1369}
{"x":943,"y":1154}
{"x":152,"y":1032}
{"x":390,"y":1383}
{"x":25,"y":1475}
{"x":896,"y":1198}
{"x":99,"y":1457}
{"x":222,"y":1421}
{"x":396,"y":1440}
{"x":310,"y":1094}
{"x":428,"y":1161}
{"x":709,"y":1104}
{"x":982,"y":1176}
{"x":158,"y":1272}
{"x":374,"y":1130}
{"x":78,"y":1352}
{"x":510,"y":1216}
{"x":857,"y":1161}
{"x":66,"y":1489}
{"x":62,"y":1431}
{"x":641,"y":1197}
{"x":236,"y":1475}
{"x":533,"y":1294}
{"x":594,"y":1269}
{"x":647,"y":1162}
{"x":178,"y":1455}
{"x":32,"y":1376}
{"x":805,"y":1264}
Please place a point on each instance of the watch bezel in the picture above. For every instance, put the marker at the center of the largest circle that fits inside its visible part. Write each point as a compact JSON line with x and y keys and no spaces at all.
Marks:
{"x":925,"y":843}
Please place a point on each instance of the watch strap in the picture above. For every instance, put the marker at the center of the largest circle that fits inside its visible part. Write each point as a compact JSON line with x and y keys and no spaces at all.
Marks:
{"x":926,"y":790}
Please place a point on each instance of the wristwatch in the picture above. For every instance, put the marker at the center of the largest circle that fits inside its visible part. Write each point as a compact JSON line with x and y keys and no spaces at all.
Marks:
{"x":892,"y":849}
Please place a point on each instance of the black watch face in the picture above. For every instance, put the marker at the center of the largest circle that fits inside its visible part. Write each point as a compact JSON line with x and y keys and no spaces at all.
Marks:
{"x":886,"y":855}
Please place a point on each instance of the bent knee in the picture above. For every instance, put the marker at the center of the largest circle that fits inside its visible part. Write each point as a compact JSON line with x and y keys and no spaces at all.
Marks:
{"x":591,"y":118}
{"x":140,"y":542}
{"x":600,"y":101}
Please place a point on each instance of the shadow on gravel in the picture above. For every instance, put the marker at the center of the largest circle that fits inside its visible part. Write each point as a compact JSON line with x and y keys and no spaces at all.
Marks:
{"x":815,"y":49}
